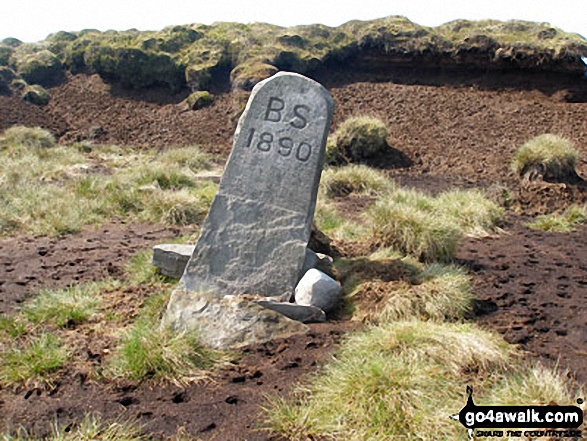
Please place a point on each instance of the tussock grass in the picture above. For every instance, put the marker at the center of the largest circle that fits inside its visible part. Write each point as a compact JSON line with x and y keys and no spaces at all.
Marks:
{"x":62,"y":189}
{"x":413,"y":231}
{"x":429,"y":228}
{"x":358,"y":179}
{"x":537,"y":385}
{"x":147,"y":351}
{"x":356,"y":139}
{"x":18,"y":137}
{"x":397,"y":380}
{"x":34,"y":360}
{"x":91,"y":427}
{"x":428,"y":292}
{"x":564,"y":222}
{"x":553,"y":155}
{"x":65,"y":307}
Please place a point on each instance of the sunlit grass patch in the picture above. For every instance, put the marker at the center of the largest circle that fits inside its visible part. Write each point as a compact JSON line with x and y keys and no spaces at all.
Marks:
{"x":358,"y":179}
{"x":552,"y":155}
{"x":18,"y":137}
{"x":401,"y":379}
{"x":564,"y":222}
{"x":91,"y":427}
{"x":356,"y":139}
{"x":62,"y":189}
{"x":429,"y":228}
{"x":337,"y":226}
{"x":65,"y":307}
{"x":439,"y":292}
{"x":34,"y":360}
{"x":147,"y":351}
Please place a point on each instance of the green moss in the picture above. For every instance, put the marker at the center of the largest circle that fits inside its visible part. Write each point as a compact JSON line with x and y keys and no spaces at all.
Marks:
{"x":36,"y":94}
{"x":5,"y":53}
{"x":199,"y":99}
{"x":37,"y":65}
{"x":134,"y":67}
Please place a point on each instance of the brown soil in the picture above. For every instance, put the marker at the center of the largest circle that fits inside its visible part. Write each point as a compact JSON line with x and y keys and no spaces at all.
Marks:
{"x":225,"y":407}
{"x":531,"y":285}
{"x":532,"y":288}
{"x":28,"y":264}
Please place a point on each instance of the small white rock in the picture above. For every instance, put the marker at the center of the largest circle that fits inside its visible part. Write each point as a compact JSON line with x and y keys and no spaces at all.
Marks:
{"x":319,"y":290}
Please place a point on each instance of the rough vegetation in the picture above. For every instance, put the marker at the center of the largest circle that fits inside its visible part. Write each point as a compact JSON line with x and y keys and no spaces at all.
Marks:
{"x":357,"y":139}
{"x":195,"y":54}
{"x":550,"y":156}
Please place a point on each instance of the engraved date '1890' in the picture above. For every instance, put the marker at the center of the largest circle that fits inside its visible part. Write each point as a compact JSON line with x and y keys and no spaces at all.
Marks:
{"x":286,"y":146}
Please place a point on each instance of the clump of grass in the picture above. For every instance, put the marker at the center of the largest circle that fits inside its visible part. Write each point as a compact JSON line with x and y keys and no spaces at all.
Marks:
{"x":553,"y":156}
{"x":145,"y":351}
{"x":26,"y":137}
{"x":358,"y":179}
{"x":35,"y":360}
{"x":356,"y":139}
{"x":537,"y":385}
{"x":429,"y":228}
{"x":400,"y":380}
{"x":91,"y":427}
{"x":564,"y":222}
{"x":65,"y":307}
{"x":435,"y":292}
{"x":413,"y":231}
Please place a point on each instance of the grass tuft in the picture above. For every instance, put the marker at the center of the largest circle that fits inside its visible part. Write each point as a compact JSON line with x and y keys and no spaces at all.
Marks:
{"x":397,"y":380}
{"x":145,"y":351}
{"x":91,"y":427}
{"x":413,"y":231}
{"x":26,"y":137}
{"x":429,"y":228}
{"x":34,"y":361}
{"x":565,"y":222}
{"x":65,"y":307}
{"x":358,"y":179}
{"x":553,"y":155}
{"x":357,"y":139}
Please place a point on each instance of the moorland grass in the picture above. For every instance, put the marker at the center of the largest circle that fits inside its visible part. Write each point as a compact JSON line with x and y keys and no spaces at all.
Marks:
{"x":554,"y":155}
{"x":34,"y":360}
{"x":65,"y":307}
{"x":567,"y":221}
{"x":429,"y":228}
{"x":357,"y":179}
{"x":90,"y":428}
{"x":356,"y":139}
{"x":60,"y":189}
{"x":398,"y":380}
{"x":147,"y":351}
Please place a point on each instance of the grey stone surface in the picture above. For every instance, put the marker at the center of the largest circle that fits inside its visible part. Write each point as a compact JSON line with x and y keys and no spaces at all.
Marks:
{"x":171,"y":259}
{"x":300,"y":313}
{"x":319,"y":290}
{"x":255,"y":235}
{"x":228,"y":322}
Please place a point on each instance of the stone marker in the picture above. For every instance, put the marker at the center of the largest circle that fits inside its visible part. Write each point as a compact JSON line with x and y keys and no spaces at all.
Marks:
{"x":255,"y":235}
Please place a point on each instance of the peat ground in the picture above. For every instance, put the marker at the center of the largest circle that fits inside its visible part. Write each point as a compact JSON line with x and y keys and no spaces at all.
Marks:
{"x":531,"y":286}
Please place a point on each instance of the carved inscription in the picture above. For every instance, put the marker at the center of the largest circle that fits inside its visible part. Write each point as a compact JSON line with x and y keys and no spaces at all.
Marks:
{"x":285,"y":146}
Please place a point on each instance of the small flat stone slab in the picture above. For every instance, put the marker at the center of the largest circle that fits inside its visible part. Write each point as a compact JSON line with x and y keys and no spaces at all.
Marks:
{"x":300,"y":313}
{"x":171,"y":259}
